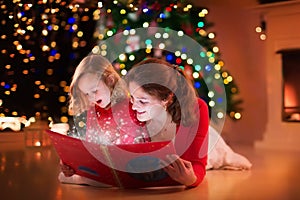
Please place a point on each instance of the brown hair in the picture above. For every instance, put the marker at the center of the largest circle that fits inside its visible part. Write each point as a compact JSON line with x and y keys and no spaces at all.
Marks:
{"x":166,"y":82}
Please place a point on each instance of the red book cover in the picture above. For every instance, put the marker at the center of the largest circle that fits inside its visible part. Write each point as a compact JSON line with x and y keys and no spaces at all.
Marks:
{"x":125,"y":166}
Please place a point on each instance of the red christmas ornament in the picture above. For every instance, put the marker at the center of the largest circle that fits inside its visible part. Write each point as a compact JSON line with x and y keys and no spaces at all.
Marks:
{"x":168,"y":9}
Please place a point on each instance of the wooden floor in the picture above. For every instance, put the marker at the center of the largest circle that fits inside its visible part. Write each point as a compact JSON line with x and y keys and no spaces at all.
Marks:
{"x":28,"y":172}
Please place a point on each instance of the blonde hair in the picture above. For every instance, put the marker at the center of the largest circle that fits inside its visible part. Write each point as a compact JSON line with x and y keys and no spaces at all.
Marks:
{"x":94,"y":64}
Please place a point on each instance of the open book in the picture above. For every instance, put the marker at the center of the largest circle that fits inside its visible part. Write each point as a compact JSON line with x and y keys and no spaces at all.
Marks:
{"x":125,"y":166}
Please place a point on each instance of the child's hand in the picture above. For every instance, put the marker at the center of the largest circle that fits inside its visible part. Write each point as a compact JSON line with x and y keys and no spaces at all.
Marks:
{"x":67,"y":170}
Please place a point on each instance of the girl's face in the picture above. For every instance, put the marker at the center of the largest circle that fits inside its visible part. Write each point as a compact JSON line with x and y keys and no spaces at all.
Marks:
{"x":95,"y":89}
{"x":147,"y":107}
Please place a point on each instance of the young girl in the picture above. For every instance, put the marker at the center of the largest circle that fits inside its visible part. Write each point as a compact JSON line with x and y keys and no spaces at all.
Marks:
{"x":167,"y":102}
{"x":110,"y":119}
{"x":93,"y":89}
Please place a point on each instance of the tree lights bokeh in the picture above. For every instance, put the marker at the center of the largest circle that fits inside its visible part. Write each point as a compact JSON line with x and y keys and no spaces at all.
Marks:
{"x":121,"y":19}
{"x":41,"y":44}
{"x":43,"y":41}
{"x":261,"y":29}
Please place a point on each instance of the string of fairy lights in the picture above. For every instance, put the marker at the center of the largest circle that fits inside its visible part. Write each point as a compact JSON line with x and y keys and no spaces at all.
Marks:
{"x":46,"y":28}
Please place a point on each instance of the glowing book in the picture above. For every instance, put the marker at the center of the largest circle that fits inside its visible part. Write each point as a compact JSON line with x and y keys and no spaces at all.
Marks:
{"x":125,"y":166}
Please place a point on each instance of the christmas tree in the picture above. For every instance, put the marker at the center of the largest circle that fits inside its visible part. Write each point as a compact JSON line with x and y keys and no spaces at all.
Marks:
{"x":43,"y":41}
{"x":133,"y":30}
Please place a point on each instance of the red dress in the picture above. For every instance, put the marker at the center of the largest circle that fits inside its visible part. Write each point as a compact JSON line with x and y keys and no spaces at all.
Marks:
{"x":116,"y":125}
{"x":191,"y":144}
{"x":196,"y":139}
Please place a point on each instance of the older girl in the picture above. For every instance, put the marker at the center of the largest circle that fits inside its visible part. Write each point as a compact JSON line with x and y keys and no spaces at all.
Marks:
{"x":167,"y":102}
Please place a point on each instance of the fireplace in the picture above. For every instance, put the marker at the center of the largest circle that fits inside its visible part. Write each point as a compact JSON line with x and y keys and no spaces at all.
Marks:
{"x":290,"y":85}
{"x":282,"y":64}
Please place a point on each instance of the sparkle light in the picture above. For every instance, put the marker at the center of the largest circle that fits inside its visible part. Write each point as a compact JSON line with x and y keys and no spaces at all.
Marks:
{"x":123,"y":72}
{"x":161,"y":45}
{"x":190,"y":61}
{"x":220,"y":115}
{"x":157,"y":35}
{"x":180,"y":33}
{"x":183,"y":56}
{"x":109,"y":33}
{"x":197,"y":67}
{"x":196,"y":75}
{"x":258,"y":29}
{"x":122,"y":57}
{"x":131,"y":57}
{"x":217,"y":76}
{"x":217,"y":67}
{"x":145,"y":24}
{"x":237,"y":115}
{"x":263,"y":36}
{"x":211,"y":103}
{"x":211,"y":94}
